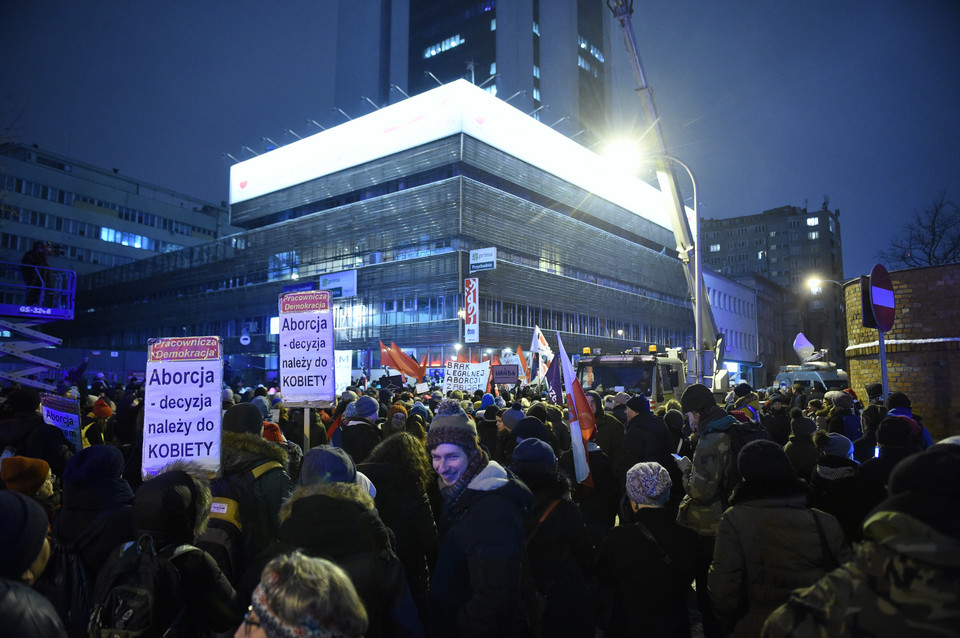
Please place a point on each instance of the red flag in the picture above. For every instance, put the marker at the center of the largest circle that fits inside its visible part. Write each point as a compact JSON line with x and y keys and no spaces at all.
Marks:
{"x":581,"y":417}
{"x":410,"y":366}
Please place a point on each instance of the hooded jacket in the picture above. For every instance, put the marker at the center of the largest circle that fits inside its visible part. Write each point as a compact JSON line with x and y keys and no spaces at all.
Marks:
{"x":24,"y":612}
{"x":242,"y":452}
{"x":645,"y":438}
{"x":475,"y":587}
{"x":337,"y":521}
{"x":707,"y":478}
{"x":767,"y":545}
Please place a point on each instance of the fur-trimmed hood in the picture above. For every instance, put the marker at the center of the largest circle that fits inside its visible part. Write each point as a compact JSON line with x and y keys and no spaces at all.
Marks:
{"x":243,"y":451}
{"x":174,"y":505}
{"x":343,"y":491}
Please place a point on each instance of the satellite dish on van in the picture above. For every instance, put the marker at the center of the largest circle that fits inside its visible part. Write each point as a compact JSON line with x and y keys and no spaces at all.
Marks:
{"x":805,"y":349}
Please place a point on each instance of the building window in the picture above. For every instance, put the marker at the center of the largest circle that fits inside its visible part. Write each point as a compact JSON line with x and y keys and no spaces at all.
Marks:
{"x":536,"y":28}
{"x":493,"y":24}
{"x":760,"y":254}
{"x":440,"y":47}
{"x":536,"y":71}
{"x":493,"y":68}
{"x":714,"y":248}
{"x":813,"y":235}
{"x":536,"y":94}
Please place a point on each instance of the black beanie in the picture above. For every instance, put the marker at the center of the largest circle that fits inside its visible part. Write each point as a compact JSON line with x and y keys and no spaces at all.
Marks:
{"x":697,"y":398}
{"x":21,"y":535}
{"x":243,"y":418}
{"x":764,"y":461}
{"x":742,"y":389}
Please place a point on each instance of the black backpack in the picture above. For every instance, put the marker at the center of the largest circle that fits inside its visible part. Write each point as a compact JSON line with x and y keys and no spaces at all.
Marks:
{"x":741,"y":434}
{"x":139,"y":597}
{"x":230,"y":511}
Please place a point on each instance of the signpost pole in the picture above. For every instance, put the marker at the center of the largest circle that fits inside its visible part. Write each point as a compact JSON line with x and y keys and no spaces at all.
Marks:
{"x":883,"y":364}
{"x":883,"y":305}
{"x":306,"y":429}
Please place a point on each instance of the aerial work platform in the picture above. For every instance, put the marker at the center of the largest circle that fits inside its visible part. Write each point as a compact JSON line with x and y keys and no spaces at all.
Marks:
{"x":24,"y":307}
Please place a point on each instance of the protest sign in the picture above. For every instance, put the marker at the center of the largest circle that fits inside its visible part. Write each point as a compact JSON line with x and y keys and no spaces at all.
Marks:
{"x":506,"y":374}
{"x":182,"y":403}
{"x":343,"y":369}
{"x":307,"y":363}
{"x":465,"y":376}
{"x":64,"y":413}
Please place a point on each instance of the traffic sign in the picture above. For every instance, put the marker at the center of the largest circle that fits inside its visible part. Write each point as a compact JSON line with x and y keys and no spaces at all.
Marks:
{"x":881,"y":298}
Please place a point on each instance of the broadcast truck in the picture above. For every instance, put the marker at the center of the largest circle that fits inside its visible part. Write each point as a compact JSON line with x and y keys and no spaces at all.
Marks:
{"x":660,"y":376}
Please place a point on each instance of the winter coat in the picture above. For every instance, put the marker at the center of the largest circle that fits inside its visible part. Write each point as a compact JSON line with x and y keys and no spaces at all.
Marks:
{"x":105,"y":504}
{"x":241,"y":453}
{"x":487,"y":431}
{"x":561,"y":555}
{"x":777,"y":424}
{"x":803,"y":454}
{"x":337,"y":521}
{"x":609,"y":433}
{"x":902,"y":581}
{"x":645,"y":438}
{"x":708,"y":476}
{"x":646,"y":596}
{"x":475,"y":588}
{"x":404,"y":507}
{"x":749,"y":404}
{"x":844,"y":421}
{"x":358,"y":438}
{"x":865,"y":448}
{"x":503,"y":452}
{"x":832,"y":484}
{"x":869,"y":487}
{"x":24,"y":612}
{"x":767,"y":545}
{"x":30,"y":436}
{"x":598,"y":504}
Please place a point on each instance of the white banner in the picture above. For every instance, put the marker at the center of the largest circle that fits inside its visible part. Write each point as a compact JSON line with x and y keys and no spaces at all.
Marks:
{"x":307,"y":362}
{"x":181,"y":414}
{"x":344,"y":369}
{"x":465,"y":376}
{"x":64,"y":413}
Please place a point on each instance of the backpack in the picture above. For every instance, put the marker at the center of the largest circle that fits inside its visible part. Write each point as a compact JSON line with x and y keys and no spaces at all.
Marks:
{"x":851,"y":427}
{"x":66,"y":583}
{"x":139,"y":597}
{"x":741,"y":434}
{"x":230,"y":510}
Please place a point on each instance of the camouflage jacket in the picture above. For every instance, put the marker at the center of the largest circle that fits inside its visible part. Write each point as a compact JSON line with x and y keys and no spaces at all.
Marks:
{"x":708,"y":478}
{"x":901,"y":582}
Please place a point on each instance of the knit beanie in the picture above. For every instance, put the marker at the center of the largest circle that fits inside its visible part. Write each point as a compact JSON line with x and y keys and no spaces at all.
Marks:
{"x":742,"y":389}
{"x":272,"y":432}
{"x":530,"y":427}
{"x":93,"y":464}
{"x":764,"y":461}
{"x":894,"y":432}
{"x":837,"y":445}
{"x":243,"y":418}
{"x":840,"y":400}
{"x":262,"y":404}
{"x":697,"y":398}
{"x":490,"y":414}
{"x":24,"y":528}
{"x":24,"y":474}
{"x":674,"y":420}
{"x":533,"y":456}
{"x":897,"y":400}
{"x":452,"y":425}
{"x":649,"y":483}
{"x":367,"y":408}
{"x":486,"y":401}
{"x":512,"y":416}
{"x":639,"y":404}
{"x":621,"y":398}
{"x":102,"y":409}
{"x":538,"y":410}
{"x":803,"y":426}
{"x":227,"y":395}
{"x":23,"y":400}
{"x":327,"y":464}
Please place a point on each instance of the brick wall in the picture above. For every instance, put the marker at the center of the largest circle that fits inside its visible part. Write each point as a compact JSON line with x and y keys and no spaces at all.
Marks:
{"x":923,"y":346}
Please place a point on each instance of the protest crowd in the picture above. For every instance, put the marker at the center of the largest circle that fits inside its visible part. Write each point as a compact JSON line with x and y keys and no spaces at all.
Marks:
{"x":769,"y":512}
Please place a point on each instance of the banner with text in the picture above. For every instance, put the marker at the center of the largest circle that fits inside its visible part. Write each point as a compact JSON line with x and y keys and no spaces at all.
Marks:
{"x":64,"y":413}
{"x":343,"y":369}
{"x":471,"y":321}
{"x":181,"y":417}
{"x":307,"y":362}
{"x":506,"y":374}
{"x":465,"y":376}
{"x":483,"y":259}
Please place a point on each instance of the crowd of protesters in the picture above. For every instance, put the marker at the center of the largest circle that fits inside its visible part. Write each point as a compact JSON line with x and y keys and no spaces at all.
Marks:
{"x":789,"y":511}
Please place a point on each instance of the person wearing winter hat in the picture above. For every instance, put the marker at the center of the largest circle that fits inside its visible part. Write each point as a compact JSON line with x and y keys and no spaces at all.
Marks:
{"x":833,"y":479}
{"x":243,"y":450}
{"x":645,"y":438}
{"x":776,"y":419}
{"x":645,"y":565}
{"x":768,"y":517}
{"x":299,"y":595}
{"x":25,"y":431}
{"x":559,"y":548}
{"x":506,"y":440}
{"x":609,"y":429}
{"x":325,"y":463}
{"x":170,"y":510}
{"x":898,"y":404}
{"x":800,"y":448}
{"x":865,"y":447}
{"x":842,"y":419}
{"x":747,"y":400}
{"x":619,"y":405}
{"x":360,"y":434}
{"x":530,"y":427}
{"x":30,"y":477}
{"x":396,"y":418}
{"x":475,"y":585}
{"x":487,"y":428}
{"x":902,"y":580}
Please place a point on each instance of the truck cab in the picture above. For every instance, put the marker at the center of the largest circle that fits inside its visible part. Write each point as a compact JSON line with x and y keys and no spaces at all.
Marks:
{"x":659,"y":376}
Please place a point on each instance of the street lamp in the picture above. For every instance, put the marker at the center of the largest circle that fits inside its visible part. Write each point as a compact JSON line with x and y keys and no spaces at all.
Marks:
{"x":815,"y":285}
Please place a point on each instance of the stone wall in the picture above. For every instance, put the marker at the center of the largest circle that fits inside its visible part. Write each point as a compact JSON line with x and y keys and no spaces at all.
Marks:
{"x":923,"y":346}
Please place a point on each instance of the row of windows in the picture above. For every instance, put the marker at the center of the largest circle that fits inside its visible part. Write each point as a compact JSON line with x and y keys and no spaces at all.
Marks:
{"x":84,"y":229}
{"x":438,"y":48}
{"x":23,"y":244}
{"x":586,"y":66}
{"x":67,"y":198}
{"x":731,"y":303}
{"x":742,"y":341}
{"x":594,"y":51}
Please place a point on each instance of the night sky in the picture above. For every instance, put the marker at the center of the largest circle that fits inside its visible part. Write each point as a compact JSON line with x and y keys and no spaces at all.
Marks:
{"x":771,"y":103}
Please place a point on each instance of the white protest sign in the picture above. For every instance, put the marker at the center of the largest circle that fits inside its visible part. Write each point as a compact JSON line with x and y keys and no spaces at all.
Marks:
{"x":181,"y":419}
{"x":307,"y":364}
{"x":506,"y":374}
{"x":64,"y":413}
{"x":465,"y":376}
{"x":344,"y":369}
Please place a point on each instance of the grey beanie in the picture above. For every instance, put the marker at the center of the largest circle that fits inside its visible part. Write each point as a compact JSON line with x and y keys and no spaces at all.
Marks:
{"x":367,"y":408}
{"x":649,"y":483}
{"x":512,"y":416}
{"x":327,"y":464}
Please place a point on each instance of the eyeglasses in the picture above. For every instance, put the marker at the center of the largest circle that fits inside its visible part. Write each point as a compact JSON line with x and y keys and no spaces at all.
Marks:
{"x":248,"y":621}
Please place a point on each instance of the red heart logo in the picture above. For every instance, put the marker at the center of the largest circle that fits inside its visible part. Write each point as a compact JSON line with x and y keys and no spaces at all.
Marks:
{"x":243,"y":184}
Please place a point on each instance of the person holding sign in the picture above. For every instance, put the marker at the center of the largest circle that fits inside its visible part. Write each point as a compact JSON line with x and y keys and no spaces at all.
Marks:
{"x":24,"y":432}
